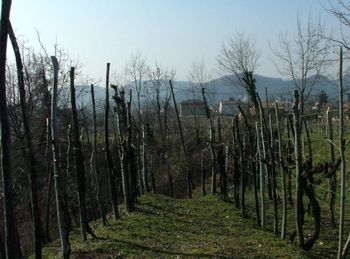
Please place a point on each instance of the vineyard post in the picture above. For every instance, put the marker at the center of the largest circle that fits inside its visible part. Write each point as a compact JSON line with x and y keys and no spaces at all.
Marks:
{"x":235,"y":163}
{"x":282,"y":172}
{"x":242,"y":167}
{"x":94,"y":167}
{"x":144,"y":161}
{"x":108,"y":155}
{"x":188,"y":173}
{"x":273,"y":174}
{"x":212,"y":143}
{"x":261,"y":175}
{"x":341,"y":251}
{"x":203,"y":174}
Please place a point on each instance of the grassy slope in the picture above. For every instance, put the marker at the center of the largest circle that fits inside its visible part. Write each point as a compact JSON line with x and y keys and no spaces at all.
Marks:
{"x":163,"y":227}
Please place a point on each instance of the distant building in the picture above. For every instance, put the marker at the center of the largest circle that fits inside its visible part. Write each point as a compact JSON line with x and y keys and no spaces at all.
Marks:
{"x":322,"y":107}
{"x":229,"y":107}
{"x":346,"y":109}
{"x":284,"y":107}
{"x":192,"y":107}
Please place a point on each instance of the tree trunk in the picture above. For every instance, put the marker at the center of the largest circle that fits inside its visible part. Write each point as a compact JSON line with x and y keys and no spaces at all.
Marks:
{"x":222,"y":162}
{"x":65,"y":177}
{"x":2,"y":248}
{"x":122,"y":116}
{"x":274,"y":184}
{"x":242,"y":167}
{"x":111,"y":174}
{"x":64,"y":233}
{"x":148,"y":138}
{"x":144,"y":161}
{"x":333,"y":178}
{"x":203,"y":175}
{"x":131,"y":155}
{"x":253,"y":167}
{"x":316,"y":212}
{"x":283,"y":180}
{"x":264,"y":173}
{"x":29,"y":153}
{"x":11,"y":239}
{"x":343,"y":162}
{"x":309,"y":159}
{"x":261,"y":175}
{"x":49,"y":180}
{"x":188,"y":173}
{"x":299,"y":207}
{"x":265,"y":147}
{"x":94,"y":167}
{"x":236,"y":168}
{"x":212,"y":143}
{"x":289,"y":159}
{"x":153,"y":181}
{"x":79,"y":164}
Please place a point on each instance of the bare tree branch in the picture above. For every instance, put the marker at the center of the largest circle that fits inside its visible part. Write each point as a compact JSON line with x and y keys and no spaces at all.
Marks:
{"x":303,"y":59}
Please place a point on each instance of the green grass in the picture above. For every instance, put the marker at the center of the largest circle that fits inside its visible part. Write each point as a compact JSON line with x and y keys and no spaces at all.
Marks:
{"x":161,"y":227}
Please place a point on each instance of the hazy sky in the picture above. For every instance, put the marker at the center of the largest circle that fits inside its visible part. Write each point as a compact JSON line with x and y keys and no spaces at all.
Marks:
{"x":172,"y":33}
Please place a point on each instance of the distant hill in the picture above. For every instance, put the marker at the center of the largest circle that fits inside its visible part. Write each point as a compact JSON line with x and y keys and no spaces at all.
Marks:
{"x":83,"y":96}
{"x":217,"y":90}
{"x":222,"y":88}
{"x":276,"y":88}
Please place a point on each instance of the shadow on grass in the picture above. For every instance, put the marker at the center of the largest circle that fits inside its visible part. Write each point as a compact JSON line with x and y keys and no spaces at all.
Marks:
{"x":134,"y":247}
{"x":197,"y":220}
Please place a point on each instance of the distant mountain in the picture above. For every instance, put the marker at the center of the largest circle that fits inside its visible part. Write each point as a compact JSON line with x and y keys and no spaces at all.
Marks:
{"x":217,"y":90}
{"x":83,"y":96}
{"x":276,"y":87}
{"x":222,"y":88}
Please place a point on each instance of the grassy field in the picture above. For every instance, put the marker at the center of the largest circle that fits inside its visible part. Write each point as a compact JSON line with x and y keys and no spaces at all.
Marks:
{"x":161,"y":227}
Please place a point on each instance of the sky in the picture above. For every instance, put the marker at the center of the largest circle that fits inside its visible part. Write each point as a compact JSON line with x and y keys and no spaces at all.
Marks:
{"x":172,"y":33}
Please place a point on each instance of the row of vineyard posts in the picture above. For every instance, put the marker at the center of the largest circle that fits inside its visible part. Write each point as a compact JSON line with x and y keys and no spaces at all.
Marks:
{"x":257,"y":150}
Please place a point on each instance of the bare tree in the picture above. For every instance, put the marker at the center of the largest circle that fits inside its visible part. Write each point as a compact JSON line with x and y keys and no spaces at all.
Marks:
{"x":239,"y":57}
{"x":199,"y":79}
{"x":304,"y":59}
{"x":188,"y":173}
{"x":136,"y":69}
{"x":199,"y":74}
{"x":123,"y":120}
{"x":160,"y":89}
{"x":341,"y":10}
{"x":29,"y":153}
